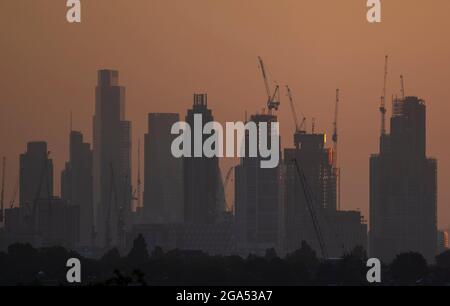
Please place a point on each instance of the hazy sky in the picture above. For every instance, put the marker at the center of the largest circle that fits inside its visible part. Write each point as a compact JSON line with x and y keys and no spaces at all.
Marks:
{"x":166,"y":50}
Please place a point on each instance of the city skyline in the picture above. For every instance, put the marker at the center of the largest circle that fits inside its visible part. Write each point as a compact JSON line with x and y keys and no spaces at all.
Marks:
{"x":314,"y":92}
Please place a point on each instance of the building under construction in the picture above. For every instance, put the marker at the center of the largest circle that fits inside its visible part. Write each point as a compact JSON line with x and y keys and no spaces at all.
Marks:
{"x":312,"y":194}
{"x":310,"y":201}
{"x":403,"y":186}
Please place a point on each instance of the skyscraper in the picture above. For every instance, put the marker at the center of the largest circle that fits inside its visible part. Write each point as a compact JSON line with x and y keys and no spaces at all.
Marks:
{"x":36,"y":174}
{"x":76,"y":185}
{"x":112,"y":161}
{"x":203,"y":203}
{"x":315,"y":161}
{"x":341,"y":231}
{"x":258,"y":198}
{"x":163,"y":173}
{"x":403,"y":186}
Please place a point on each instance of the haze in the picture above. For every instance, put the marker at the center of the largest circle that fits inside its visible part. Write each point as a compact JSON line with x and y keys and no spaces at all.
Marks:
{"x":166,"y":50}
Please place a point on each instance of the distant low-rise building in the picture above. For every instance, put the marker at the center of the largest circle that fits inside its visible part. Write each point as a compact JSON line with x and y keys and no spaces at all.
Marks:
{"x":43,"y":223}
{"x":213,"y":239}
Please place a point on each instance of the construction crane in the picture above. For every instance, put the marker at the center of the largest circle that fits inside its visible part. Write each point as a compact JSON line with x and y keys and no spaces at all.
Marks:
{"x":402,"y":86}
{"x":273,"y":98}
{"x":383,"y":98}
{"x":311,"y":205}
{"x":298,"y":127}
{"x":336,"y":169}
{"x":2,"y":194}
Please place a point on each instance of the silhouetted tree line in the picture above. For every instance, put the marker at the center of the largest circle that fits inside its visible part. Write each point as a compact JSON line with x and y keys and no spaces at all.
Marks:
{"x":25,"y":265}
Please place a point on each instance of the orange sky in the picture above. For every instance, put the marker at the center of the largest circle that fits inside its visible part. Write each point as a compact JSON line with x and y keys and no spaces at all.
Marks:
{"x":168,"y":49}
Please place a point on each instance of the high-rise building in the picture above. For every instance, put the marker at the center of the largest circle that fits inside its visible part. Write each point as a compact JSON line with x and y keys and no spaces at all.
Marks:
{"x":111,"y":161}
{"x":76,"y":185}
{"x":163,"y":173}
{"x":315,"y":160}
{"x":403,"y":186}
{"x":258,"y":198}
{"x":203,"y":202}
{"x":36,"y":174}
{"x":341,"y":231}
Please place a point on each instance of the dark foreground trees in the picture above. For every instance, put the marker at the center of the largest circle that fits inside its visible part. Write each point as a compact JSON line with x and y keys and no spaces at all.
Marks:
{"x":409,"y":268}
{"x":24,"y":265}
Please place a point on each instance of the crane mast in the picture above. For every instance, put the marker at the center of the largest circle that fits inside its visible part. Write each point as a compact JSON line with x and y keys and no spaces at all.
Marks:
{"x":294,"y":114}
{"x":383,"y":98}
{"x":311,"y":205}
{"x":298,"y":127}
{"x":273,"y":99}
{"x":336,"y":169}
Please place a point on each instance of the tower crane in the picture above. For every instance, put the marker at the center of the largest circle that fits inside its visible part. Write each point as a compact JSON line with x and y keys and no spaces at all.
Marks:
{"x":383,"y":98}
{"x":402,"y":86}
{"x":311,"y":205}
{"x":273,"y":98}
{"x":336,"y":169}
{"x":298,"y":127}
{"x":2,"y":194}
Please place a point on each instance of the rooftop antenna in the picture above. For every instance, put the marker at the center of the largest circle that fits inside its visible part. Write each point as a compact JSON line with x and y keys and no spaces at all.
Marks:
{"x":402,"y":88}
